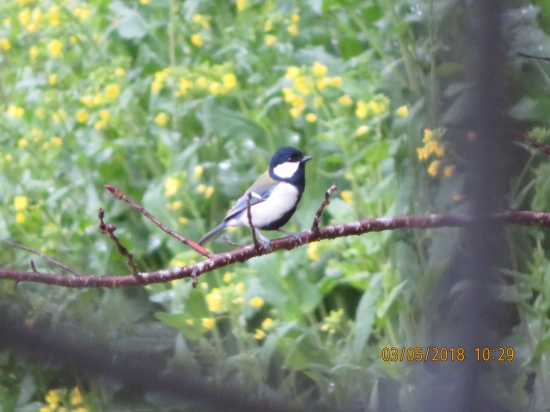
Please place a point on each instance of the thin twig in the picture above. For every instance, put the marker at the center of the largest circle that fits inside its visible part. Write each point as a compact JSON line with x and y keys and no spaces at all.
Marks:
{"x":326,"y":202}
{"x":249,"y":215}
{"x":43,"y":256}
{"x":537,"y":145}
{"x":530,"y":56}
{"x":110,"y":230}
{"x":195,"y":246}
{"x":226,"y":240}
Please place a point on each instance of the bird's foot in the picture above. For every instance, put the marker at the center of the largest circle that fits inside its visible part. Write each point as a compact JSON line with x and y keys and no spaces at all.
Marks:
{"x":294,"y":235}
{"x":266,"y":243}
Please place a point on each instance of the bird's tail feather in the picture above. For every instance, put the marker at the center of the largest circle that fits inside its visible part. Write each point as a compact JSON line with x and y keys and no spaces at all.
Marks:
{"x":212,"y":233}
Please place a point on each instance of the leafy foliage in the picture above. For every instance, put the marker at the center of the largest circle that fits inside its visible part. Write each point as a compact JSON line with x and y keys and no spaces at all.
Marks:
{"x":180,"y":105}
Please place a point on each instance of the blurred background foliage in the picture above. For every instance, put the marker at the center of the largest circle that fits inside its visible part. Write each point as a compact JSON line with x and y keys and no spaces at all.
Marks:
{"x":180,"y":105}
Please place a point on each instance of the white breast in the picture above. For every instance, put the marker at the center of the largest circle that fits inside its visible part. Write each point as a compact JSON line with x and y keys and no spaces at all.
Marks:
{"x":282,"y":199}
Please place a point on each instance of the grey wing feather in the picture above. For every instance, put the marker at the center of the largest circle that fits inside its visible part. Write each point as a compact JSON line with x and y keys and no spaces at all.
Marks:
{"x":243,"y":202}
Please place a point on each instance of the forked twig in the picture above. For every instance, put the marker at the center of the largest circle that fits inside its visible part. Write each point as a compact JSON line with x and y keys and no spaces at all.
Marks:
{"x":110,"y":230}
{"x":326,"y":202}
{"x":193,"y":245}
{"x":43,"y":256}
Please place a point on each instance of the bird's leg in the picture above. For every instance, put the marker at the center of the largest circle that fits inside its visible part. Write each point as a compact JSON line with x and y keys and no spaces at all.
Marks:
{"x":263,"y":239}
{"x":294,"y":235}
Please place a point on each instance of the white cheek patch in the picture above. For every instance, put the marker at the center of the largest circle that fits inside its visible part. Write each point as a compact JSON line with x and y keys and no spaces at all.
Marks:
{"x":286,"y":169}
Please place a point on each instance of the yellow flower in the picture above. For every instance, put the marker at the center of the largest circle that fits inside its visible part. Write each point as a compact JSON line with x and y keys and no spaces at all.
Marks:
{"x":292,"y":72}
{"x":184,"y":85}
{"x":448,"y":171}
{"x":293,"y":29}
{"x":213,"y":300}
{"x":403,"y":111}
{"x":198,"y":171}
{"x":240,"y":4}
{"x":15,"y":111}
{"x":76,"y":397}
{"x":422,"y":153}
{"x":190,"y":322}
{"x":112,"y":91}
{"x":120,"y":72}
{"x":183,"y":220}
{"x":56,"y":141}
{"x":311,"y":117}
{"x":202,"y":82}
{"x":33,"y":52}
{"x":9,"y":158}
{"x":22,"y":142}
{"x":209,"y":191}
{"x":55,"y":48}
{"x":52,"y":79}
{"x":296,"y":111}
{"x":25,"y":17}
{"x":201,"y":188}
{"x":427,"y":135}
{"x":5,"y":44}
{"x":269,"y":40}
{"x":362,"y":130}
{"x":20,"y":203}
{"x":257,"y":302}
{"x":260,"y":334}
{"x":171,"y":186}
{"x":361,"y":110}
{"x":240,"y":287}
{"x":196,"y":39}
{"x":345,"y":100}
{"x":156,"y":86}
{"x":267,"y":323}
{"x":20,"y":217}
{"x":303,"y":84}
{"x":208,"y":323}
{"x":82,"y":14}
{"x":313,"y":251}
{"x":216,"y":88}
{"x":161,"y":119}
{"x":87,"y":100}
{"x":229,"y":80}
{"x":335,"y":81}
{"x":295,"y":18}
{"x":323,"y":83}
{"x":347,"y":195}
{"x":145,"y":1}
{"x":53,"y":15}
{"x":268,"y":26}
{"x":433,"y":168}
{"x":104,"y":115}
{"x":80,"y":409}
{"x":73,"y":39}
{"x":376,"y":107}
{"x":319,"y":69}
{"x":82,"y":116}
{"x":52,"y":398}
{"x":227,"y":277}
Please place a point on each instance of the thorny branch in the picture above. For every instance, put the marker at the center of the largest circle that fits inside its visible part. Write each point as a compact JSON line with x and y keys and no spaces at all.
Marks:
{"x":518,"y":217}
{"x":325,"y":203}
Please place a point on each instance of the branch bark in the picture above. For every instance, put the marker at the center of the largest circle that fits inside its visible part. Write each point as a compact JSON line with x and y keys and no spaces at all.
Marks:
{"x":518,"y":217}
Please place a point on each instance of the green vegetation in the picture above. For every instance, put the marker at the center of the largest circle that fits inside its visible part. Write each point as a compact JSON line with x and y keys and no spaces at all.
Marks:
{"x":180,"y":106}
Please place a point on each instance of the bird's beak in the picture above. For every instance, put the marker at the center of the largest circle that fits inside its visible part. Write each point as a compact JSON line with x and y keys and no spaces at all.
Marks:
{"x":306,"y":159}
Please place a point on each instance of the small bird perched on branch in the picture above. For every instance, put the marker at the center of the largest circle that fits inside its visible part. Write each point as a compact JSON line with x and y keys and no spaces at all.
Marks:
{"x":274,"y":196}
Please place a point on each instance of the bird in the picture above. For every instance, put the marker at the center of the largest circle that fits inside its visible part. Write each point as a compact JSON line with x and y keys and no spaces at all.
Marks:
{"x":274,"y":197}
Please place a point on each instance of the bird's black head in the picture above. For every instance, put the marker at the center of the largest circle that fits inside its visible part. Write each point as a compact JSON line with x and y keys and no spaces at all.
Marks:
{"x":288,"y":164}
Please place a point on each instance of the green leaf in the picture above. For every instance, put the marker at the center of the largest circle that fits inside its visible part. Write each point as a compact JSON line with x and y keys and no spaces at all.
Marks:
{"x":186,"y":324}
{"x":364,"y":319}
{"x":227,"y":123}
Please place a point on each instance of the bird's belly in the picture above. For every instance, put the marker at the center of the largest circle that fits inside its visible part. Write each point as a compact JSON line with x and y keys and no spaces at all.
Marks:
{"x":282,"y":200}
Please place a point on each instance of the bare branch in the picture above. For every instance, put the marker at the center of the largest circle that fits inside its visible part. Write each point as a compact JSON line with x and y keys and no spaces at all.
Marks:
{"x":530,"y":56}
{"x":533,"y":143}
{"x":518,"y":217}
{"x":249,"y":216}
{"x":326,"y":202}
{"x":110,"y":230}
{"x":195,"y":246}
{"x":43,"y":256}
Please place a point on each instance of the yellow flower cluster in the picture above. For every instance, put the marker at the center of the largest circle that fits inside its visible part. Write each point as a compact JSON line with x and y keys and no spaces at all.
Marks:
{"x":15,"y":111}
{"x":64,"y":400}
{"x":333,"y":320}
{"x":374,"y":107}
{"x":433,"y":147}
{"x":307,"y":82}
{"x":202,"y":20}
